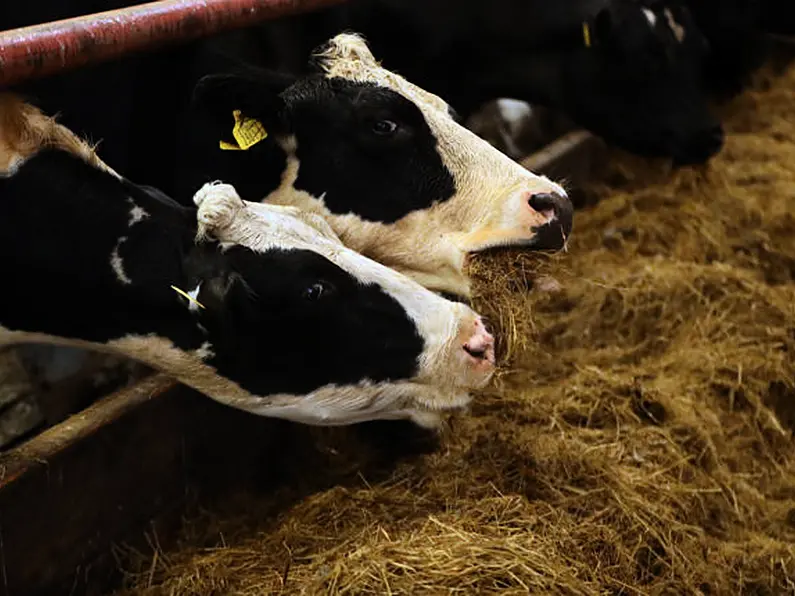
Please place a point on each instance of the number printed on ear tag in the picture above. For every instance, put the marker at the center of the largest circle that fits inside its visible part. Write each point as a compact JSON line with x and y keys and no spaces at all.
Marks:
{"x":247,"y":132}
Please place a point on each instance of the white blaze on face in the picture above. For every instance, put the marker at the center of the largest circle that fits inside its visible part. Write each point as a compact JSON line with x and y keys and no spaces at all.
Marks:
{"x":490,"y":207}
{"x":445,"y":369}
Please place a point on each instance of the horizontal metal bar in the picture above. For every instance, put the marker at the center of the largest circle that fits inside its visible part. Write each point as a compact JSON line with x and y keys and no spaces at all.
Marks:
{"x":42,"y":50}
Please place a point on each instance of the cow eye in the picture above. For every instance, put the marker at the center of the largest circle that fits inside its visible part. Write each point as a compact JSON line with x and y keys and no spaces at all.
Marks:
{"x":316,"y":291}
{"x":384,"y":127}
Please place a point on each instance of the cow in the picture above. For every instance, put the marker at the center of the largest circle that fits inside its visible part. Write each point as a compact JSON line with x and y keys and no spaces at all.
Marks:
{"x":382,"y":160}
{"x":259,"y":307}
{"x":628,"y":70}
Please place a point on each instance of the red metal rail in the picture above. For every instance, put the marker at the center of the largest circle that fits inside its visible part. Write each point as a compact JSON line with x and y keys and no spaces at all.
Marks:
{"x":42,"y":50}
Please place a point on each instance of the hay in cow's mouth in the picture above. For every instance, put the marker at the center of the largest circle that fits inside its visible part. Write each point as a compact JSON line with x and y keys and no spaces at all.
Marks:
{"x":638,"y":440}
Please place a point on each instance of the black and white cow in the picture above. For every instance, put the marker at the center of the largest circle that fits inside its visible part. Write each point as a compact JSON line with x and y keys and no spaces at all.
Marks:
{"x":381,"y":159}
{"x":628,"y":70}
{"x":259,"y":307}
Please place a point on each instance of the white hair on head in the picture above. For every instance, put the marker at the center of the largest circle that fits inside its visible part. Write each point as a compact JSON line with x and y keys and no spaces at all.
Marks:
{"x":350,"y":47}
{"x":347,"y":56}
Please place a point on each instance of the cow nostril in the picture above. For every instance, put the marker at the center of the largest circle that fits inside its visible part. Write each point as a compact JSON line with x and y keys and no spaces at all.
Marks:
{"x":545,"y":202}
{"x":479,"y":352}
{"x":559,"y":213}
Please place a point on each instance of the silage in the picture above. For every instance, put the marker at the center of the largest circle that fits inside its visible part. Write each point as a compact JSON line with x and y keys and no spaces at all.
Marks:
{"x":638,"y":439}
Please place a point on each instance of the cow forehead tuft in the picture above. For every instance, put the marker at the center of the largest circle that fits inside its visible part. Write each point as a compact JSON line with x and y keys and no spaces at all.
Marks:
{"x":347,"y":56}
{"x":348,"y":47}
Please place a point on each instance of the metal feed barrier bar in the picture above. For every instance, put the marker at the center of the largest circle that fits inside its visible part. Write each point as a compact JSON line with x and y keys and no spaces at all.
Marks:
{"x":48,"y":48}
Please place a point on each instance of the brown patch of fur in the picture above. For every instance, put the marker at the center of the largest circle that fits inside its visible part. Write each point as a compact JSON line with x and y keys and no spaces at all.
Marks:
{"x":25,"y":130}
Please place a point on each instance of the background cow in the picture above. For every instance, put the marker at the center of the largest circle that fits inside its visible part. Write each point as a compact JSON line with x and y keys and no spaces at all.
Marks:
{"x":628,"y":70}
{"x":263,"y":309}
{"x":738,"y":44}
{"x":638,"y":85}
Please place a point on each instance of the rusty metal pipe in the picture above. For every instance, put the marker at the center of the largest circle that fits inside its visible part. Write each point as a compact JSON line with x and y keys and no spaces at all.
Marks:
{"x":42,"y":50}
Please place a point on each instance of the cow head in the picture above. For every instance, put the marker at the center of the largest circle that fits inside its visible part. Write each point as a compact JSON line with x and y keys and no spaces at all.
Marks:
{"x":384,"y":161}
{"x":343,"y":339}
{"x":636,"y":80}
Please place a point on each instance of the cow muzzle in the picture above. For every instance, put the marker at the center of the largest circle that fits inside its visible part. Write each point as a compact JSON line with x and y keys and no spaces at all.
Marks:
{"x":535,"y":214}
{"x":479,"y":346}
{"x":474,"y":351}
{"x":557,"y":215}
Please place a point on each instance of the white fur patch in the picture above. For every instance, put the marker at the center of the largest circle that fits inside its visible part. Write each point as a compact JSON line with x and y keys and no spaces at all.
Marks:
{"x":192,"y":306}
{"x":205,"y":352}
{"x":514,"y":111}
{"x":650,"y":16}
{"x":117,"y":264}
{"x":137,"y":213}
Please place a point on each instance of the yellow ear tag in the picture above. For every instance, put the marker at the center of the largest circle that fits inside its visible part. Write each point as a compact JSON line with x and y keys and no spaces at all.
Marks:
{"x":586,"y":34}
{"x":247,"y":132}
{"x":190,"y":298}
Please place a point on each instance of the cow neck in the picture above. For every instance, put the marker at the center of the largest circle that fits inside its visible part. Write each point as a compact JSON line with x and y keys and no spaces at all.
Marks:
{"x":93,"y":258}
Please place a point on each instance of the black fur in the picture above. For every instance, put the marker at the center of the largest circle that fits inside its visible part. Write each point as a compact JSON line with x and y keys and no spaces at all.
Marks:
{"x":61,"y":221}
{"x":637,"y":88}
{"x":381,"y":177}
{"x":278,"y":321}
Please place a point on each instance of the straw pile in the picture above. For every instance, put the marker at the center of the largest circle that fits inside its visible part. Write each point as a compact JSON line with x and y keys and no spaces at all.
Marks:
{"x":638,"y":441}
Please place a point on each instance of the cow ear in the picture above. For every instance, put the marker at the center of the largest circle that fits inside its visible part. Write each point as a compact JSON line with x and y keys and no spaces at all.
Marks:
{"x":214,"y":292}
{"x":212,"y":279}
{"x":235,"y":104}
{"x":226,"y":300}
